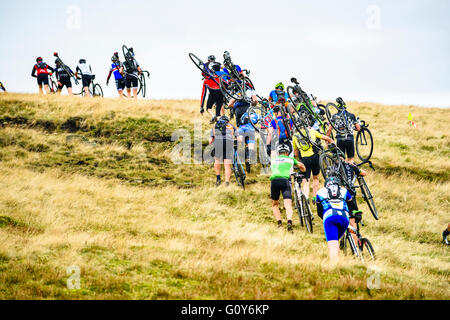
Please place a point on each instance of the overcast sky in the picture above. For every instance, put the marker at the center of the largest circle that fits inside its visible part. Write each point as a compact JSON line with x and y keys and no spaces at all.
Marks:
{"x":377,"y":50}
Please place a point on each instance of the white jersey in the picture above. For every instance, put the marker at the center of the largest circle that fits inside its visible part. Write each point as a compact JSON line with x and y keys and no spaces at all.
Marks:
{"x":84,"y":69}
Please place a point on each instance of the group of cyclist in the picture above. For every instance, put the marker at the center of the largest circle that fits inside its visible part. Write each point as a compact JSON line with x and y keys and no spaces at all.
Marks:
{"x":286,"y":149}
{"x":125,"y":74}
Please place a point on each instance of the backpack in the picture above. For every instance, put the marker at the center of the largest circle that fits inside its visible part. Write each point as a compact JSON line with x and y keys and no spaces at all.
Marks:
{"x":221,"y":125}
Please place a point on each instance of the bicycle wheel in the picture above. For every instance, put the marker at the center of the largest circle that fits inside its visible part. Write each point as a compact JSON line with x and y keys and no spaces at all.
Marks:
{"x":364,"y":144}
{"x":231,"y":88}
{"x":337,"y":123}
{"x":97,"y":91}
{"x":239,"y":172}
{"x":299,"y":205}
{"x":142,"y":86}
{"x":293,"y":96}
{"x":200,"y":64}
{"x":367,"y":196}
{"x":327,"y":164}
{"x":307,"y":214}
{"x":258,"y":113}
{"x":367,"y":247}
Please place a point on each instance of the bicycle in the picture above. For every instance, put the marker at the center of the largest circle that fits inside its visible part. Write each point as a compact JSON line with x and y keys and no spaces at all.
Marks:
{"x":331,"y":163}
{"x":305,"y":215}
{"x":95,"y":90}
{"x":234,"y":84}
{"x":52,"y":84}
{"x":364,"y":142}
{"x":237,"y":167}
{"x":128,"y":54}
{"x":362,"y":245}
{"x":303,"y":108}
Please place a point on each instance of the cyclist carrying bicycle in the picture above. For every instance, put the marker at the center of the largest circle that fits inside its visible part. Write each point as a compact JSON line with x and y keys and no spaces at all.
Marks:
{"x":333,"y":204}
{"x":279,"y":92}
{"x":445,"y":234}
{"x":246,"y":133}
{"x":280,"y":183}
{"x":86,"y":75}
{"x":215,"y":97}
{"x":345,"y":121}
{"x":41,"y":72}
{"x":117,"y":70}
{"x":2,"y":87}
{"x":63,"y":74}
{"x":279,"y":128}
{"x":309,"y":155}
{"x":133,"y":70}
{"x":222,"y":135}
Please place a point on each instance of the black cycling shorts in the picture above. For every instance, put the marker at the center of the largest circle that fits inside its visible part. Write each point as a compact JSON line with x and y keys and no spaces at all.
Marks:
{"x":65,"y":81}
{"x":215,"y":97}
{"x":42,"y":79}
{"x":131,"y":81}
{"x":312,"y":165}
{"x":86,"y":80}
{"x":282,"y":186}
{"x":120,"y":84}
{"x":347,"y":146}
{"x":224,"y":149}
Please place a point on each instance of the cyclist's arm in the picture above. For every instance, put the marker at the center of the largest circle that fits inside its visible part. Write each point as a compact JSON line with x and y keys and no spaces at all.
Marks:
{"x":269,"y":135}
{"x":231,"y":103}
{"x":319,"y":205}
{"x":109,"y":75}
{"x":301,"y":166}
{"x":33,"y":72}
{"x":51,"y":69}
{"x":324,"y":137}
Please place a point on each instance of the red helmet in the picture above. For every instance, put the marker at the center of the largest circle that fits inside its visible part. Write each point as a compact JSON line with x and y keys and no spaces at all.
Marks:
{"x":38,"y":59}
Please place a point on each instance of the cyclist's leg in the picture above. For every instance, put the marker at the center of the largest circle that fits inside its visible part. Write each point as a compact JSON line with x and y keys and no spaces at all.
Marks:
{"x":135,"y":87}
{"x":128,"y":83}
{"x":69,"y":87}
{"x":315,"y":169}
{"x":306,"y":182}
{"x":275,"y":191}
{"x":287,"y":199}
{"x":228,"y":156}
{"x":334,"y":227}
{"x":351,"y":150}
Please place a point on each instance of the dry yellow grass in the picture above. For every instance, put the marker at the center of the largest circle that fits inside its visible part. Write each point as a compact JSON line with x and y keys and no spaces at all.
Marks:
{"x":169,"y":242}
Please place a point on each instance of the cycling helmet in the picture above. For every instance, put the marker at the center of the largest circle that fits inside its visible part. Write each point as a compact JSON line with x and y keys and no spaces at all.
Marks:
{"x":283,"y":148}
{"x":115,"y":57}
{"x":215,"y":67}
{"x":279,"y":85}
{"x":224,"y":118}
{"x":38,"y":59}
{"x":341,"y":102}
{"x":226,"y":55}
{"x":332,"y":180}
{"x":58,"y":62}
{"x":211,"y":58}
{"x":82,"y":61}
{"x":276,"y":108}
{"x":254,"y":118}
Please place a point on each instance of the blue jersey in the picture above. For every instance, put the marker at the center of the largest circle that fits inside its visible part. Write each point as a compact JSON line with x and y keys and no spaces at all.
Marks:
{"x":334,"y":205}
{"x":275,"y":95}
{"x":278,"y":124}
{"x":115,"y":69}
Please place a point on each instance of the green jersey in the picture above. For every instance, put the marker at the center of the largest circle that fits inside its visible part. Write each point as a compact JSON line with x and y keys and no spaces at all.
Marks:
{"x":281,"y":167}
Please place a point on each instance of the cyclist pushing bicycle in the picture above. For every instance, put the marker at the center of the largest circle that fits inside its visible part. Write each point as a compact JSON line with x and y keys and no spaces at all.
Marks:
{"x":334,"y":202}
{"x":280,"y":183}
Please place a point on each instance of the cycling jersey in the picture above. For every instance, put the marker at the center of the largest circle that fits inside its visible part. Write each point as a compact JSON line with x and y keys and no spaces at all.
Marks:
{"x":84,"y":69}
{"x":40,"y":68}
{"x":278,"y":124}
{"x":277,"y":94}
{"x":305,"y":147}
{"x":337,"y":205}
{"x":282,"y":166}
{"x":61,"y":73}
{"x":115,"y":69}
{"x":268,"y":119}
{"x":351,"y":172}
{"x":215,"y":95}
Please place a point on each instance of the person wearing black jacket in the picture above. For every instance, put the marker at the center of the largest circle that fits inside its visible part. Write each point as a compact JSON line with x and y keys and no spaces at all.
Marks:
{"x":41,"y":72}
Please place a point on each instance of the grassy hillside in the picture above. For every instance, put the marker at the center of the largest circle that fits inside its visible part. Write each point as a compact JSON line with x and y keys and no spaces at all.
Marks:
{"x":110,"y":201}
